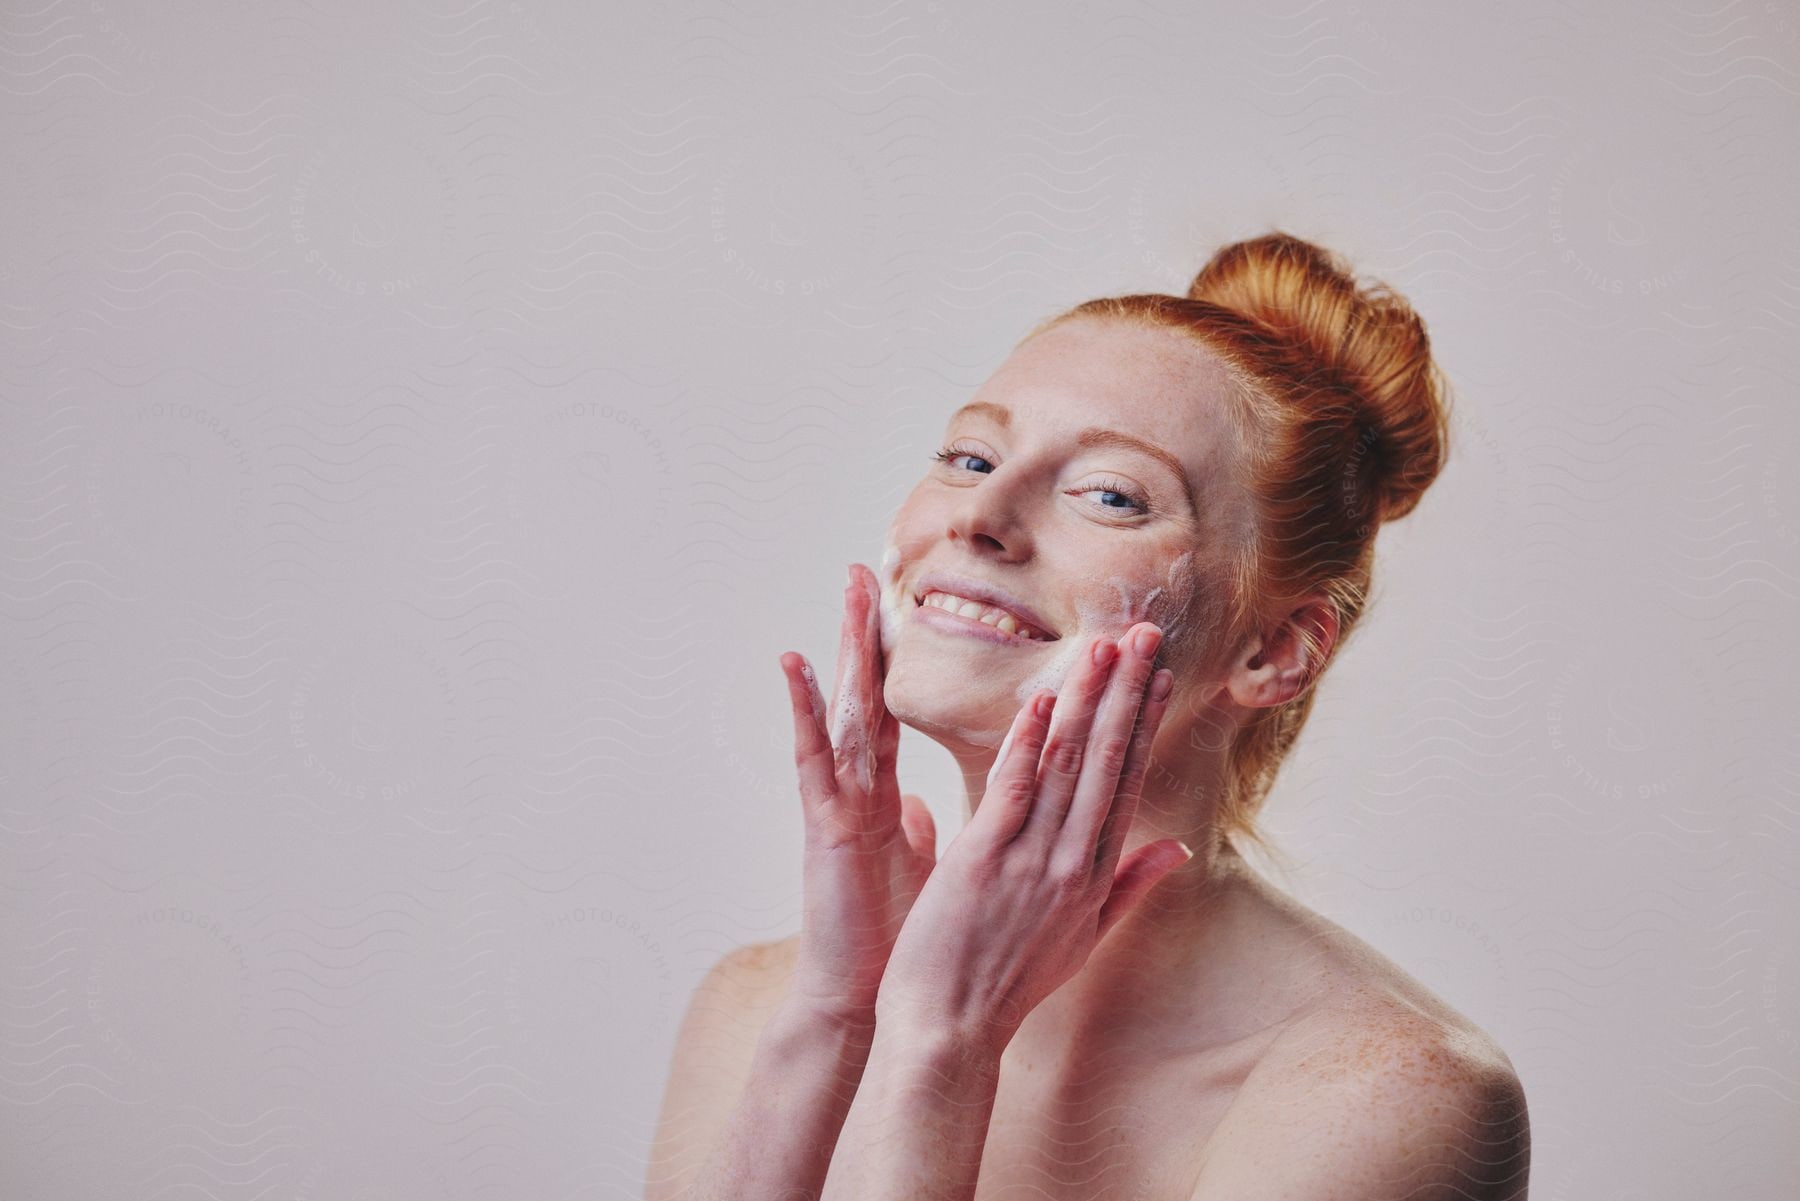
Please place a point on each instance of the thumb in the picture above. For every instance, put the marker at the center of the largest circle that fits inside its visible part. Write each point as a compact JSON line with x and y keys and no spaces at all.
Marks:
{"x":920,"y":828}
{"x":1138,"y":873}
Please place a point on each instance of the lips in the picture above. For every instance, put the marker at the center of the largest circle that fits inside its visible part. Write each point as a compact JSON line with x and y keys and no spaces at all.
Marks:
{"x":999,"y":608}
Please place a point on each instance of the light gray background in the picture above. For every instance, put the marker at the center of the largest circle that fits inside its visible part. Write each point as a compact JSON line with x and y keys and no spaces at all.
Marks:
{"x":425,"y":426}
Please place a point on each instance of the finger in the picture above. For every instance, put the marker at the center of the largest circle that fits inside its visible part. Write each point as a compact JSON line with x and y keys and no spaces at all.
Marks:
{"x":881,"y":729}
{"x":1003,"y":755}
{"x":1012,"y":782}
{"x":1131,"y":781}
{"x":1109,"y":744}
{"x":1066,"y":747}
{"x":850,"y":732}
{"x":813,"y":757}
{"x":887,"y":747}
{"x":1141,"y":872}
{"x":920,"y":827}
{"x":847,"y":626}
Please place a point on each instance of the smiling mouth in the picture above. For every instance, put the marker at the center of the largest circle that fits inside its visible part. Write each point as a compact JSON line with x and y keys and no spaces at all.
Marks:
{"x":986,"y":614}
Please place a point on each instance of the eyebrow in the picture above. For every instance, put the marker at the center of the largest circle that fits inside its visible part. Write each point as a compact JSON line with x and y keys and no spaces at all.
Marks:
{"x":1092,"y":436}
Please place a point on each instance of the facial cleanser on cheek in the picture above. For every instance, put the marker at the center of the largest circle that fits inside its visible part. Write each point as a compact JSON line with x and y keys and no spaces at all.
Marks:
{"x":1130,"y":604}
{"x":892,"y":600}
{"x":1053,"y":674}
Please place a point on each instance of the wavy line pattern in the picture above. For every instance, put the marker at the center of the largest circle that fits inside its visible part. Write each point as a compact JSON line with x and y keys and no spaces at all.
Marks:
{"x":425,"y":426}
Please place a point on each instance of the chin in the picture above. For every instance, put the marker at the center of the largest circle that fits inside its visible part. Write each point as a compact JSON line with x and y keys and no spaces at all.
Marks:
{"x":942,"y":701}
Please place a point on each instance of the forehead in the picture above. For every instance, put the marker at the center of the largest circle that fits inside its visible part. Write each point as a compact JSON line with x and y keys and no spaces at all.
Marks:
{"x":1153,"y":383}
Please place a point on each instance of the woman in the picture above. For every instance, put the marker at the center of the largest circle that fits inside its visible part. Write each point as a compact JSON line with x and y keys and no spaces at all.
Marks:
{"x":1110,"y":598}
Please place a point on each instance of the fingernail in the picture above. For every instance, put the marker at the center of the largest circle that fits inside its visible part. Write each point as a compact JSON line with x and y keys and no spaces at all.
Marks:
{"x":1187,"y":852}
{"x":1162,"y":685}
{"x":1104,"y":650}
{"x":1147,"y":641}
{"x":1045,"y":704}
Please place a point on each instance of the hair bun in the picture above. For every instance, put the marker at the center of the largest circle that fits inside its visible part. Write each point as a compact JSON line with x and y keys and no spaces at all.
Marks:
{"x":1366,"y":334}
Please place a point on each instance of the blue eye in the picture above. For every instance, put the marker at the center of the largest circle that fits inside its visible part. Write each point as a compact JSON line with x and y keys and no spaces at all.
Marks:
{"x":1116,"y":489}
{"x":951,"y":453}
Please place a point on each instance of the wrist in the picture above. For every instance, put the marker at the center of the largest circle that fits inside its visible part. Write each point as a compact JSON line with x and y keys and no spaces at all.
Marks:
{"x":967,"y":1045}
{"x":825,"y":1021}
{"x":829,"y":998}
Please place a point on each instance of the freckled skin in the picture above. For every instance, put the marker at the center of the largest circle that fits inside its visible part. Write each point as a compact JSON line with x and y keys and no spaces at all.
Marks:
{"x":1037,"y":521}
{"x":1224,"y":1042}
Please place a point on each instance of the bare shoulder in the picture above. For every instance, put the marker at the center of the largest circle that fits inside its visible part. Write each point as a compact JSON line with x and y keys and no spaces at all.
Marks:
{"x":1370,"y":1038}
{"x":714,"y":1050}
{"x":1373,"y":1095}
{"x":756,"y":975}
{"x":734,"y":999}
{"x":1374,"y":1087}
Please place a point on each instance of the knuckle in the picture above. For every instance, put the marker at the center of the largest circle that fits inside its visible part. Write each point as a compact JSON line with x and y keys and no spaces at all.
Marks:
{"x":809,"y":765}
{"x":1067,"y":874}
{"x":1018,"y":790}
{"x":1113,"y":750}
{"x":1016,"y":862}
{"x":1019,"y":876}
{"x":1063,"y":755}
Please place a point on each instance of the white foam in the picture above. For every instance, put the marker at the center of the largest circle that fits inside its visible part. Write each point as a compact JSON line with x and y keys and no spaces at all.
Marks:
{"x":1052,"y":675}
{"x":1166,"y":603}
{"x":813,"y":696}
{"x":892,"y":601}
{"x":846,"y":720}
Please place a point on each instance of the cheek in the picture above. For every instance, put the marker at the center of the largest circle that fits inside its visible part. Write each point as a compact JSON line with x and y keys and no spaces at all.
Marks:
{"x":1173,"y":595}
{"x":908,"y":536}
{"x":893,"y":602}
{"x":1191,"y":609}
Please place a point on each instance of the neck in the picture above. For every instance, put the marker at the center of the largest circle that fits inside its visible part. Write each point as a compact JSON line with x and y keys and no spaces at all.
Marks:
{"x":1176,"y":971}
{"x":1171,"y":959}
{"x":1179,"y":800}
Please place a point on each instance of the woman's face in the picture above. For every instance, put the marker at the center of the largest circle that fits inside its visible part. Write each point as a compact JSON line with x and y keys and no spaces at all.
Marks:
{"x":1087,"y":486}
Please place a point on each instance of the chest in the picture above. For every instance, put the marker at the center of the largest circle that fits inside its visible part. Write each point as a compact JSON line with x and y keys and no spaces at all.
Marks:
{"x":1119,"y":1131}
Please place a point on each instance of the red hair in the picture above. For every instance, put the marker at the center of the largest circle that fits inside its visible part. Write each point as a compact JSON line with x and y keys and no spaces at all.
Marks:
{"x":1342,"y":422}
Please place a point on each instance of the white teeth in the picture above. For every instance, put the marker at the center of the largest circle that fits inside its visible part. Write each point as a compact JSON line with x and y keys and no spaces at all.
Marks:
{"x":986,"y":614}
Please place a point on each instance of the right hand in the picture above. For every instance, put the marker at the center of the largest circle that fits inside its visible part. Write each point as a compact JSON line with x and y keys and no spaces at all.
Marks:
{"x":868,"y":849}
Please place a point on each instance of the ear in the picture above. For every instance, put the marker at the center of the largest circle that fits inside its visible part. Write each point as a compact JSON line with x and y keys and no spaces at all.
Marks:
{"x":1279,"y":664}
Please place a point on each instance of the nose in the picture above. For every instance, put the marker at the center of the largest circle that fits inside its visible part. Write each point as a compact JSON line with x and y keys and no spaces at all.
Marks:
{"x":989,"y":520}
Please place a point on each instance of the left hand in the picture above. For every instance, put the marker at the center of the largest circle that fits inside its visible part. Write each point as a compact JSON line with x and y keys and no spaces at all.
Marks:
{"x":868,"y":847}
{"x":1025,"y":892}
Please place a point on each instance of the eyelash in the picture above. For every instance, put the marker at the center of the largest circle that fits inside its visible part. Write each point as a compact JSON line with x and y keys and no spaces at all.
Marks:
{"x":1118,"y":487}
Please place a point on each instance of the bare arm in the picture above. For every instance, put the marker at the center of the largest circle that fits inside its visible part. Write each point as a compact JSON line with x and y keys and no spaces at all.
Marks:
{"x":920,"y":1119}
{"x":1012,"y":910}
{"x":759,"y":1085}
{"x":868,"y":850}
{"x":780,"y":1136}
